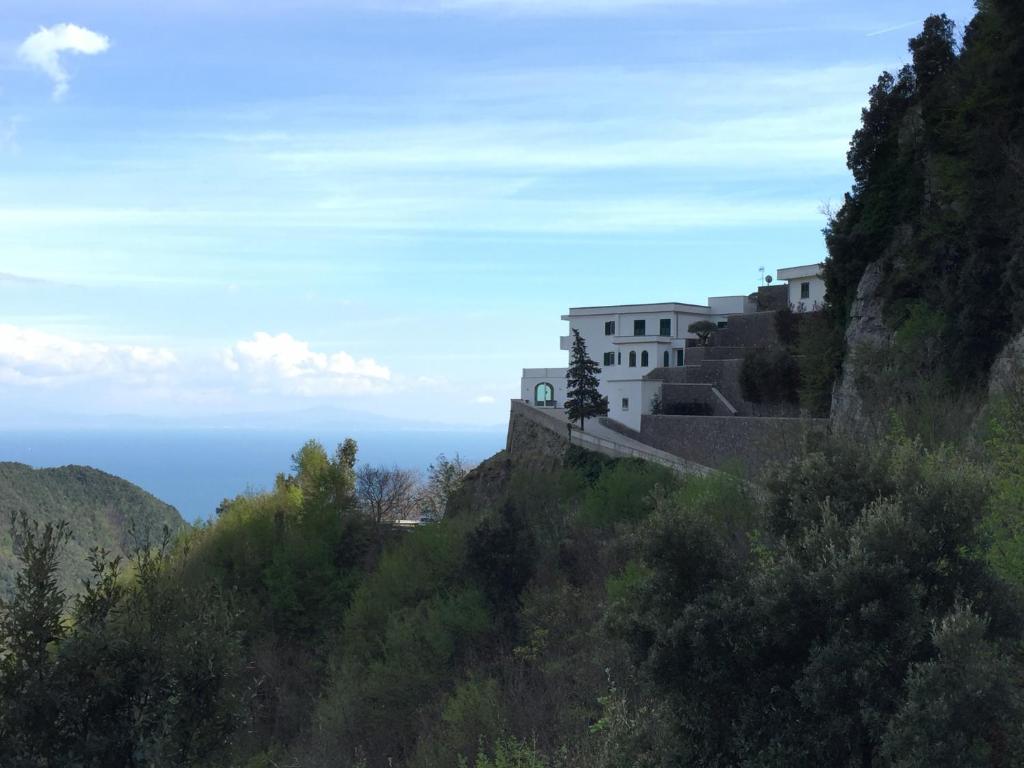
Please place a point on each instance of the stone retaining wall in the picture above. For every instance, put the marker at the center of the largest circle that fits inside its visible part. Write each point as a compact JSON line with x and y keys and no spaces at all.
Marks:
{"x":756,"y":330}
{"x":748,"y":443}
{"x":675,"y":394}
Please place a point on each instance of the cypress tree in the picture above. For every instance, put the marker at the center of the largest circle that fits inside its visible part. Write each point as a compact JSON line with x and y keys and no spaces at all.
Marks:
{"x":584,"y":401}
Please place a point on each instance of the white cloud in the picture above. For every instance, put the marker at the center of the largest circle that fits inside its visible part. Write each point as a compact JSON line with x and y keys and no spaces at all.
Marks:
{"x":32,"y":357}
{"x":284,"y":363}
{"x":42,"y":50}
{"x":483,"y":400}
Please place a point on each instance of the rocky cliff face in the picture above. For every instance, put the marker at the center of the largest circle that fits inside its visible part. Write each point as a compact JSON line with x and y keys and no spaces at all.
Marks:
{"x":866,"y":327}
{"x":1007,"y":369}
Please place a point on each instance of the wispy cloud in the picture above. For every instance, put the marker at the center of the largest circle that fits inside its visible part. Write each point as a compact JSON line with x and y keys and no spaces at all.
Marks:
{"x":8,"y":277}
{"x":895,"y":28}
{"x":43,"y":49}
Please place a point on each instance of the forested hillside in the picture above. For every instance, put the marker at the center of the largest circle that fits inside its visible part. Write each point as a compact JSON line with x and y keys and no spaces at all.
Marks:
{"x":101,"y":510}
{"x":937,"y":207}
{"x":590,"y":613}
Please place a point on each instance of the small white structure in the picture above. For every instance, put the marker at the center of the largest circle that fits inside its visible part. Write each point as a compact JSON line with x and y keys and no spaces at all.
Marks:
{"x":806,"y":287}
{"x":544,"y":387}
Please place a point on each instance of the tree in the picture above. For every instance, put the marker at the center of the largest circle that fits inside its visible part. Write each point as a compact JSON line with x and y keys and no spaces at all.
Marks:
{"x":29,"y":625}
{"x":385,"y":493}
{"x":934,"y":50}
{"x":444,"y":478}
{"x":584,"y":400}
{"x":703,"y":329}
{"x":325,"y":479}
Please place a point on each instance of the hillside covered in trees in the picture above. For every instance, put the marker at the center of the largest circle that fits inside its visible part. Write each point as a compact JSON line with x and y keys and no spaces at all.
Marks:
{"x":937,"y":214}
{"x":584,"y":612}
{"x":102,"y":510}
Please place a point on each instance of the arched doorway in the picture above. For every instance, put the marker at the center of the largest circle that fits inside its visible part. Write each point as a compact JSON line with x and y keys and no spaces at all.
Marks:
{"x":544,"y":395}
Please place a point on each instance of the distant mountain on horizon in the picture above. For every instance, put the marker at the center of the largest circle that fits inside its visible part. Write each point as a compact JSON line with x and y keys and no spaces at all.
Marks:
{"x":102,"y":510}
{"x":316,"y":417}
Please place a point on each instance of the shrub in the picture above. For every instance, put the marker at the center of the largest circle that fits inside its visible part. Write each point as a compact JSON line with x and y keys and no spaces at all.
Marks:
{"x":770,"y":376}
{"x":622,"y":494}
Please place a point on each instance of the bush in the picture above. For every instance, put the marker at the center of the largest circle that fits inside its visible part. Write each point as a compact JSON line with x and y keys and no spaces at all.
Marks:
{"x":770,"y":376}
{"x":623,"y":493}
{"x":797,"y":643}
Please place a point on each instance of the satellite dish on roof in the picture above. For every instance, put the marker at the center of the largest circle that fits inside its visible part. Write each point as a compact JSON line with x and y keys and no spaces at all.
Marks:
{"x":768,"y":279}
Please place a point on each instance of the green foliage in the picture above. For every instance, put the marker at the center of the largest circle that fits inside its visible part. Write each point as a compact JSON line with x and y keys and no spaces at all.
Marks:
{"x":770,"y":376}
{"x":583,"y":400}
{"x":512,"y":753}
{"x":500,"y":557}
{"x":405,"y":635}
{"x":904,"y":385}
{"x":603,"y":614}
{"x":623,"y":493}
{"x":787,"y":328}
{"x":1005,"y":448}
{"x":820,"y":350}
{"x":150,"y":675}
{"x":444,"y":479}
{"x":30,"y":623}
{"x":325,"y":480}
{"x":964,"y":708}
{"x":938,"y":194}
{"x":801,"y":646}
{"x":703,"y":329}
{"x":104,"y":511}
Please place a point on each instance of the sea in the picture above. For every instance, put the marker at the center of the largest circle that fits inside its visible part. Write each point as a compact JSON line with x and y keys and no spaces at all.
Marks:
{"x":194,"y":469}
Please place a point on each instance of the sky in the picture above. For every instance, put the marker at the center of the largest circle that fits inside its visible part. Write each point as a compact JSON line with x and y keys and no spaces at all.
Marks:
{"x":215,"y":210}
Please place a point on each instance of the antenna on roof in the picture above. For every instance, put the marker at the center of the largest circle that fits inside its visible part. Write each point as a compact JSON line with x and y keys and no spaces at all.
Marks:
{"x":768,"y":279}
{"x":761,"y":270}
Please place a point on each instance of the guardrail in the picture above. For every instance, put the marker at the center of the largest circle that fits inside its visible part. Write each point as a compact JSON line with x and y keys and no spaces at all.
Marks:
{"x":607,"y":447}
{"x":618,"y":450}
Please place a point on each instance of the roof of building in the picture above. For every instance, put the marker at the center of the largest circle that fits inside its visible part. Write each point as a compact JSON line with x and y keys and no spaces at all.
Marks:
{"x":790,"y":273}
{"x":618,"y":309}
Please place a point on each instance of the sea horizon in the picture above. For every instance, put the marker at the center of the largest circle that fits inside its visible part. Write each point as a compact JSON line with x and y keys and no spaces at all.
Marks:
{"x":194,"y":468}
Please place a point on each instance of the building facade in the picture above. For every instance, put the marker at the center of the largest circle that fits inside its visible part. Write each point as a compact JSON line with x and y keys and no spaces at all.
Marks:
{"x":806,"y":287}
{"x":629,"y":341}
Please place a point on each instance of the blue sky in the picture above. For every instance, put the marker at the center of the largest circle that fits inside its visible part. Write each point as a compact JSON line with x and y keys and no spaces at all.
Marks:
{"x":210,"y":207}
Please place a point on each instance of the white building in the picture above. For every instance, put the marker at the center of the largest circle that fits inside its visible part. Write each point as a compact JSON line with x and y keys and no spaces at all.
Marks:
{"x":628,"y":341}
{"x":806,"y":287}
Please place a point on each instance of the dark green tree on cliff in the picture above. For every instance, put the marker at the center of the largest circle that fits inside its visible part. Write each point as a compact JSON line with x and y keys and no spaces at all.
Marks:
{"x":584,"y":401}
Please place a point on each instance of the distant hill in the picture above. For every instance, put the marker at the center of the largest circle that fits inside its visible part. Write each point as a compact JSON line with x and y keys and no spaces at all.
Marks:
{"x":102,"y":510}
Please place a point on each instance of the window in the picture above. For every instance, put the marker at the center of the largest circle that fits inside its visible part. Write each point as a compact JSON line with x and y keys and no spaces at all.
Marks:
{"x":805,"y":290}
{"x":632,"y":359}
{"x":680,"y":357}
{"x":619,"y":359}
{"x":665,"y":359}
{"x":639,"y":327}
{"x":625,"y":403}
{"x":609,"y":328}
{"x":544,"y":395}
{"x":665,"y":327}
{"x":609,"y":358}
{"x":645,"y":359}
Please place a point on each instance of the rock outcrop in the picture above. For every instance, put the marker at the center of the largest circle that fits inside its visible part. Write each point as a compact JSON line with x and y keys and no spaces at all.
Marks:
{"x":866,"y":327}
{"x":1006,"y":373}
